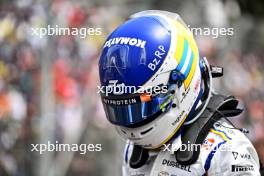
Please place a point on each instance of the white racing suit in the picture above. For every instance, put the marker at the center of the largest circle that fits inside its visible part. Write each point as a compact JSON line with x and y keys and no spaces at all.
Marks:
{"x":224,"y":152}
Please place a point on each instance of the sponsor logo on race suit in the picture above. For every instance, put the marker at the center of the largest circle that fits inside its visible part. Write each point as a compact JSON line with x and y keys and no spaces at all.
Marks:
{"x":242,"y":168}
{"x":237,"y":155}
{"x":176,"y":164}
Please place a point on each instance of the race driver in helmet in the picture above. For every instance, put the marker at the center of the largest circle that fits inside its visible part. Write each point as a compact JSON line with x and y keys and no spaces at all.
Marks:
{"x":157,"y":91}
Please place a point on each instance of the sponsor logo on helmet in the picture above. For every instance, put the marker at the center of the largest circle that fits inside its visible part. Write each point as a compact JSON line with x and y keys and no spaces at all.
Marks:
{"x":178,"y":118}
{"x":184,"y":94}
{"x":120,"y":102}
{"x":159,"y":55}
{"x":197,"y":84}
{"x":125,"y":41}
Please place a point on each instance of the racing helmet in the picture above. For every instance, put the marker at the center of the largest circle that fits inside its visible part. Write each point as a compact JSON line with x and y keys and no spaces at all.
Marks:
{"x":153,"y":80}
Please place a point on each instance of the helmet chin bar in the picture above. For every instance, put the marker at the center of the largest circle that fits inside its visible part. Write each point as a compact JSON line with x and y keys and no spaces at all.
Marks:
{"x":207,"y":75}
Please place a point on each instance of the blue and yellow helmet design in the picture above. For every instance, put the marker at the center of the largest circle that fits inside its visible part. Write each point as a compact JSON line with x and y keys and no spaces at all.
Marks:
{"x":151,"y":49}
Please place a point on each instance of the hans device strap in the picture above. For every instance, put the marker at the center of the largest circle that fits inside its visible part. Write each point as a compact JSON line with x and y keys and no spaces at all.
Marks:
{"x":218,"y":107}
{"x":196,"y":132}
{"x":139,"y":157}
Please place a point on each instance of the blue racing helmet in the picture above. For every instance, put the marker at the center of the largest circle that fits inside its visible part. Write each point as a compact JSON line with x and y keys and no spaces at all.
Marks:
{"x":151,"y":79}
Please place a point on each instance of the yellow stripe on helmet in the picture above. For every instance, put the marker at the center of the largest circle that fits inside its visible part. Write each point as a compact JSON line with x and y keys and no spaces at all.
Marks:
{"x":179,"y":48}
{"x":183,"y":33}
{"x":189,"y":78}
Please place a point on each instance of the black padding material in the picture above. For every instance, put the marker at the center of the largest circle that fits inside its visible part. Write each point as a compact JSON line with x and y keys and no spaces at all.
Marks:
{"x":261,"y":169}
{"x":196,"y":132}
{"x":139,"y":157}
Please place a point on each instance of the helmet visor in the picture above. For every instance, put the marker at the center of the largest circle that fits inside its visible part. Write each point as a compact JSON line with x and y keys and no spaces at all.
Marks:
{"x":136,"y":110}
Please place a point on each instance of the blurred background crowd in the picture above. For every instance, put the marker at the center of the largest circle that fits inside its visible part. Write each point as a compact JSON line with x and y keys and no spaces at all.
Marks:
{"x":48,"y":86}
